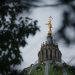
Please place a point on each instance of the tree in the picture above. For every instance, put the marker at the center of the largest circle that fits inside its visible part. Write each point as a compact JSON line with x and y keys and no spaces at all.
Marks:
{"x":13,"y":33}
{"x":68,"y":22}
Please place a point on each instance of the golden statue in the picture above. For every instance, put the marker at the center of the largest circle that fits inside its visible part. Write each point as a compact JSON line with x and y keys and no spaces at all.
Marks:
{"x":49,"y":25}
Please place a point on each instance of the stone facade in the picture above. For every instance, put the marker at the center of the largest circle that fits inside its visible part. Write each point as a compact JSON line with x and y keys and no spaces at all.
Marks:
{"x":49,"y":52}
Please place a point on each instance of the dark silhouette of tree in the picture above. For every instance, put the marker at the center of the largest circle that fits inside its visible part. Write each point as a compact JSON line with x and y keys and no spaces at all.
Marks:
{"x":68,"y":22}
{"x":13,"y":33}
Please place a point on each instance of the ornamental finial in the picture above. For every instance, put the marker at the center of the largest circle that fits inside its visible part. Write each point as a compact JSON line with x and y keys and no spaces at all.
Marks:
{"x":49,"y":25}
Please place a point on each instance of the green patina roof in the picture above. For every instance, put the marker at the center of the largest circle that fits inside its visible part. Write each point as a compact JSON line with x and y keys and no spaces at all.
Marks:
{"x":38,"y":69}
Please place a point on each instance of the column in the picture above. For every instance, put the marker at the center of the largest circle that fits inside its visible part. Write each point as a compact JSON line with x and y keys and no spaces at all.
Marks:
{"x":64,"y":71}
{"x":47,"y":67}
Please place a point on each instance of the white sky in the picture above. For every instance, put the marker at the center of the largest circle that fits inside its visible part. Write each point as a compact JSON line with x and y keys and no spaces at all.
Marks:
{"x":30,"y":52}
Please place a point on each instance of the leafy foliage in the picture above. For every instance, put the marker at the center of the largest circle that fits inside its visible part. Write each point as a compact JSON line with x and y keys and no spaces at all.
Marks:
{"x":66,"y":1}
{"x":13,"y":33}
{"x":68,"y":22}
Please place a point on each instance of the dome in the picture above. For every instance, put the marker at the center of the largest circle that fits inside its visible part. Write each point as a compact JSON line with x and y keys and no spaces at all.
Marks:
{"x":49,"y":51}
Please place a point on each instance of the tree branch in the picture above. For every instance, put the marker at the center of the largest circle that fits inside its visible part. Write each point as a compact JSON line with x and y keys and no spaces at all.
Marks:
{"x":45,"y":5}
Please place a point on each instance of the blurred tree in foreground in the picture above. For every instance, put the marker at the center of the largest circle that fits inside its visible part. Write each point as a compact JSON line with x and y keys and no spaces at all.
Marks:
{"x":67,"y":30}
{"x":13,"y":33}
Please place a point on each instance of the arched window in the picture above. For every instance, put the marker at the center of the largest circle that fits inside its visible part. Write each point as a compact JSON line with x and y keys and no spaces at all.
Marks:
{"x":46,"y":54}
{"x":55,"y":54}
{"x":42,"y":54}
{"x":50,"y":54}
{"x":58,"y":55}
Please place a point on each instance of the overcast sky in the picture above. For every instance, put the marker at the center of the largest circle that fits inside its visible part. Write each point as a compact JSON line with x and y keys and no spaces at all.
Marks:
{"x":30,"y":52}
